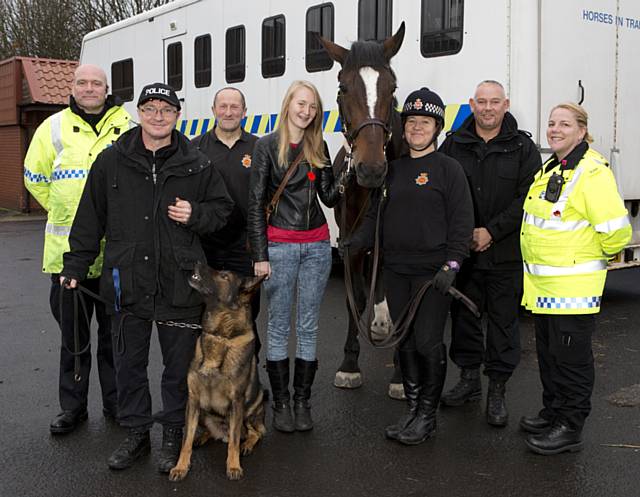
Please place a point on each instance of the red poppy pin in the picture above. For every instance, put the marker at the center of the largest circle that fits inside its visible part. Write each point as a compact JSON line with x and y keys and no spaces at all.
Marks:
{"x":311,"y":175}
{"x":557,"y":213}
{"x":422,"y":179}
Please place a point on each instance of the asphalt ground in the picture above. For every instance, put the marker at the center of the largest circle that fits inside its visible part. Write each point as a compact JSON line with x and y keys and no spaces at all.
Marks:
{"x":346,"y":453}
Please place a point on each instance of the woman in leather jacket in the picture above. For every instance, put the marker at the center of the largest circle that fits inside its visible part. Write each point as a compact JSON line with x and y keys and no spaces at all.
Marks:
{"x":292,"y":247}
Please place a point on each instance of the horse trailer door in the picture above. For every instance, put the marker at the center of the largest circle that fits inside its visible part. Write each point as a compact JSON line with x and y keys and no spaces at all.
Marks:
{"x":577,"y":63}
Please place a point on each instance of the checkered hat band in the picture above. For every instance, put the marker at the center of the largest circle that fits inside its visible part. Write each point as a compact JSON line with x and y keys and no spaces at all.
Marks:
{"x":427,"y":108}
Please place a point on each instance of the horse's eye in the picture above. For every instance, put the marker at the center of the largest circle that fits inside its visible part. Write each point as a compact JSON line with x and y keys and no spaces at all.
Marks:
{"x":343,"y":89}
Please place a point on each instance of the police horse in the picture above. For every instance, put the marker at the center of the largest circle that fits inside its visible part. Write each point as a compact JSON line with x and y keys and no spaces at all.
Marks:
{"x":372,"y":129}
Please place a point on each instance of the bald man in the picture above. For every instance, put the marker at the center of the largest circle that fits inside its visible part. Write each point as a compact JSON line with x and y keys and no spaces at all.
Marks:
{"x":56,"y":167}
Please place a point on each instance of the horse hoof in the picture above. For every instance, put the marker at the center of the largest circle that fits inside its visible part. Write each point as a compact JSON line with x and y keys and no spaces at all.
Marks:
{"x":396,"y":391}
{"x":347,"y":380}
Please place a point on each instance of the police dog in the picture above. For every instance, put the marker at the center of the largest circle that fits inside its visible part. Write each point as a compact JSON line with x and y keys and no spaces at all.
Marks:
{"x":225,"y":396}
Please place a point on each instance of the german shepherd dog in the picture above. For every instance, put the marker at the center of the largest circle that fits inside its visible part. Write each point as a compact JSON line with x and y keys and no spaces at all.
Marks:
{"x":225,"y":396}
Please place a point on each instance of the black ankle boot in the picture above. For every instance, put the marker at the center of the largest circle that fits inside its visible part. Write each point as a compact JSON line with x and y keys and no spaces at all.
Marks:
{"x":412,"y":381}
{"x":560,"y":437}
{"x":170,"y":451}
{"x":497,"y":414}
{"x":468,"y":388}
{"x":279,"y":378}
{"x":434,"y":371}
{"x":136,"y":445}
{"x":305,"y":372}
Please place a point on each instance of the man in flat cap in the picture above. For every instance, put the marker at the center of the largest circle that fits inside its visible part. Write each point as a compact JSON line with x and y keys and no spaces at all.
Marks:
{"x":151,"y":196}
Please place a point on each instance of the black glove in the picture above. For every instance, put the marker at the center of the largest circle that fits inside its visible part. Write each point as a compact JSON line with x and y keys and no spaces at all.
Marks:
{"x":443,"y":279}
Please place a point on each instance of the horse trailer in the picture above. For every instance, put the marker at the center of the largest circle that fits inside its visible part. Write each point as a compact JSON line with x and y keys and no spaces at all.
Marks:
{"x":543,"y":51}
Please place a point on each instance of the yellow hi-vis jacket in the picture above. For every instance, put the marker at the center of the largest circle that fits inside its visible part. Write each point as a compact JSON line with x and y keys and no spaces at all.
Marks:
{"x":566,"y":244}
{"x":56,"y":167}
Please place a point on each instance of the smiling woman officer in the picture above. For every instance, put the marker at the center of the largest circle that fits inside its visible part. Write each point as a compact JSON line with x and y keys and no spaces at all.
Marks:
{"x":574,"y":221}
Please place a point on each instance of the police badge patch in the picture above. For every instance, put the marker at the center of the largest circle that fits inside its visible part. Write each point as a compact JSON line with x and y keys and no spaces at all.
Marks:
{"x":422,"y":179}
{"x":246,"y":161}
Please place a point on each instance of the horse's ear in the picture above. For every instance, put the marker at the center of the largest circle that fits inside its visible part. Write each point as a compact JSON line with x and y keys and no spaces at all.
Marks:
{"x":393,"y":44}
{"x":335,"y":51}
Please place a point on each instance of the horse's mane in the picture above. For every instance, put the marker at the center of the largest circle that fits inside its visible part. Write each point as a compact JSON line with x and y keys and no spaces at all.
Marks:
{"x":365,"y":53}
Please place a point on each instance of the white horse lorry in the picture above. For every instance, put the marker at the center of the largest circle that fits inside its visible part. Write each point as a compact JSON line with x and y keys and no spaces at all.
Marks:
{"x":543,"y":51}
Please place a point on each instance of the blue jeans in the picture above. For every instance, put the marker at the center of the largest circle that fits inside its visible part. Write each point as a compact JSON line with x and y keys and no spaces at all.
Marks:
{"x":305,"y":267}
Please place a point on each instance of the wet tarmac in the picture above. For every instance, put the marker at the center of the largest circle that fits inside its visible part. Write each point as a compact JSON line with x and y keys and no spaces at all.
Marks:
{"x":346,"y":454}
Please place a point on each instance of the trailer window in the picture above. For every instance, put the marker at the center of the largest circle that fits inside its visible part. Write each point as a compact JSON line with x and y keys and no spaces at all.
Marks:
{"x":441,"y":27}
{"x":174,"y":66}
{"x":374,"y":19}
{"x":122,"y":79}
{"x":235,"y":54}
{"x":273,"y":46}
{"x":319,"y":20}
{"x":202,"y":65}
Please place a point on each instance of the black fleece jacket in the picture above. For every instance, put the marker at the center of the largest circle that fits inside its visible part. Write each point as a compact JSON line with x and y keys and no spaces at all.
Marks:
{"x":499,"y":173}
{"x":148,"y":257}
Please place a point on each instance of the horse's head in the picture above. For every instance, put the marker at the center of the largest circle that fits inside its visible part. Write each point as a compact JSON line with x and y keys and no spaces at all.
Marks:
{"x":366,"y":102}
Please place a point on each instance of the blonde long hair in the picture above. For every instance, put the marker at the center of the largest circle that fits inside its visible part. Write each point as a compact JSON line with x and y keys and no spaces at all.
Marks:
{"x":581,"y":117}
{"x":313,"y":144}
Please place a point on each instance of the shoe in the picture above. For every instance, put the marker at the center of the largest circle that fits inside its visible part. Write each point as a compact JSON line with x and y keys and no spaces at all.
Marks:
{"x":434,"y":372}
{"x":557,"y":439}
{"x":534,"y":424}
{"x":279,"y":378}
{"x":497,"y":414}
{"x":170,"y":451}
{"x":136,"y":445}
{"x":304,"y":374}
{"x":468,"y":389}
{"x":412,"y":382}
{"x":67,"y":421}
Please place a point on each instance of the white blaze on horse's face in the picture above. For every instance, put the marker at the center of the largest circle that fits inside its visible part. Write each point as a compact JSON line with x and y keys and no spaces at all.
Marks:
{"x":370,"y":79}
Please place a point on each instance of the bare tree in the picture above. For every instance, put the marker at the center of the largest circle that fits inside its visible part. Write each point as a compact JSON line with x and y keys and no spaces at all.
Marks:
{"x":54,"y":28}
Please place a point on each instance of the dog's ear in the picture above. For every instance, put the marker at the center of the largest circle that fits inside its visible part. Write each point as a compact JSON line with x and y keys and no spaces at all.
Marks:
{"x":250,"y":284}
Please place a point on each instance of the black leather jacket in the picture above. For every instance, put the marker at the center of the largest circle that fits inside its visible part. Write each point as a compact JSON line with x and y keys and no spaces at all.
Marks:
{"x":298,"y":207}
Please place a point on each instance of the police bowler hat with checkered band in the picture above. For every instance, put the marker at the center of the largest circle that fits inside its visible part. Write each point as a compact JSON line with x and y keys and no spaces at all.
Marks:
{"x":423,"y":102}
{"x":159,"y":91}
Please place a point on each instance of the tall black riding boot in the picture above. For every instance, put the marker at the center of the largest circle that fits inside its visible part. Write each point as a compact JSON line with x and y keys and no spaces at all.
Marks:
{"x":305,"y":372}
{"x":468,"y":388}
{"x":434,"y":371}
{"x":497,"y":414}
{"x":279,"y":378}
{"x":412,"y":382}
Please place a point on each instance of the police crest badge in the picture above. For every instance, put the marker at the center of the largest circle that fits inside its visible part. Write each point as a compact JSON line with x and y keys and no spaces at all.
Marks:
{"x":422,"y":179}
{"x":246,"y":161}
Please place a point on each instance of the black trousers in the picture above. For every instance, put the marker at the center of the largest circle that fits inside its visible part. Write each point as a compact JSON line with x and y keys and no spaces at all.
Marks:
{"x":132,"y":339}
{"x":496,"y":293}
{"x":565,"y":360}
{"x":73,"y":394}
{"x":428,"y":325}
{"x":244,"y":267}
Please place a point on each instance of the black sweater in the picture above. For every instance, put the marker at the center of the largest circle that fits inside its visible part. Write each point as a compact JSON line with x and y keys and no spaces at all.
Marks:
{"x":428,"y":214}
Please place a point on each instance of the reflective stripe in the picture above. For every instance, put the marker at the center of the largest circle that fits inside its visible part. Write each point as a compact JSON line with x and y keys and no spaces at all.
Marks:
{"x":59,"y":174}
{"x":613,"y":224}
{"x":567,"y":302}
{"x":554,"y":224}
{"x":56,"y":132}
{"x":586,"y":267}
{"x":35,"y":177}
{"x":57,"y":230}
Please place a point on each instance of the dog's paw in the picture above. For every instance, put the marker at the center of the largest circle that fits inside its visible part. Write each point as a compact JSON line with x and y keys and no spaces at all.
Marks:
{"x":234,"y":473}
{"x":177,"y":474}
{"x":246,"y":448}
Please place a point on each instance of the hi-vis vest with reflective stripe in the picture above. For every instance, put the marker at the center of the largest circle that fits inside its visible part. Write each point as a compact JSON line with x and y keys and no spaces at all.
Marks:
{"x":56,"y":167}
{"x":566,"y":244}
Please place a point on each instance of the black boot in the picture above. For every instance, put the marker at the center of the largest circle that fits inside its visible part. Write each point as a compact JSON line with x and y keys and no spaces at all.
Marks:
{"x":137,"y":444}
{"x":468,"y":389}
{"x":412,"y":381}
{"x":170,"y":451}
{"x":497,"y":414}
{"x":279,"y":378}
{"x":557,"y":439}
{"x":534,"y":424}
{"x":434,"y":371}
{"x":67,"y":421}
{"x":305,"y":372}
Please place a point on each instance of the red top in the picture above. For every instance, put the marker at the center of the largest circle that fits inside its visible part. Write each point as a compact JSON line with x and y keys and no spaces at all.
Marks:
{"x":319,"y":234}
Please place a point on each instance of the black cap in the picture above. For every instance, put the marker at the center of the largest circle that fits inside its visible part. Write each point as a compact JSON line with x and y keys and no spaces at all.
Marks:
{"x":159,"y":91}
{"x":423,"y":102}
